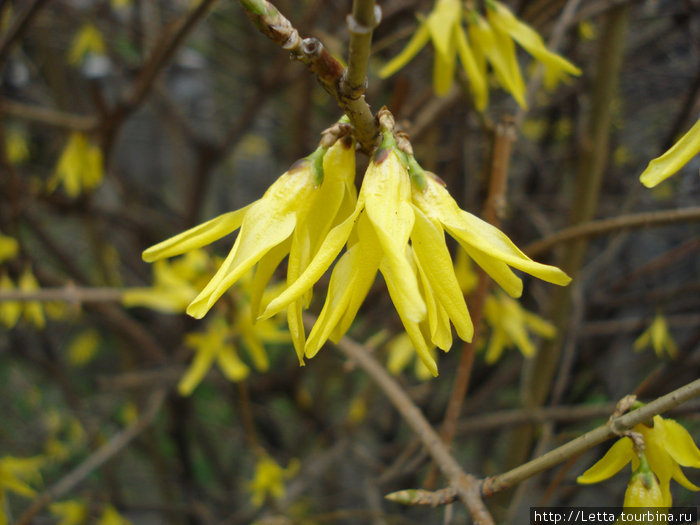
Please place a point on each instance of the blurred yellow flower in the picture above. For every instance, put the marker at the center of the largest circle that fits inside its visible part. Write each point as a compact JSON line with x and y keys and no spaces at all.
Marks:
{"x":175,"y":284}
{"x":16,"y":474}
{"x":658,"y":337}
{"x":444,"y":28}
{"x":401,"y":354}
{"x":292,"y":218}
{"x":110,"y":516}
{"x":667,"y":445}
{"x":80,"y":166}
{"x":16,"y":147}
{"x":33,"y":311}
{"x":88,"y":40}
{"x":9,"y":247}
{"x":71,"y":512}
{"x":674,"y":159}
{"x":506,"y":25}
{"x":269,"y":479}
{"x":510,"y":326}
{"x":83,"y":348}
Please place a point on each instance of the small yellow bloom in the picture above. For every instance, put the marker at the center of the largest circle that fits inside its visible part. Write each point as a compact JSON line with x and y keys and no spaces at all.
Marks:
{"x":80,"y":166}
{"x":401,"y":353}
{"x":16,"y":474}
{"x":643,"y":489}
{"x":9,"y":247}
{"x":667,"y":446}
{"x":110,"y":516}
{"x":212,"y":345}
{"x":33,"y":311}
{"x":444,"y":27}
{"x":674,"y":159}
{"x":88,"y":40}
{"x":269,"y":479}
{"x":510,"y":326}
{"x":658,"y":336}
{"x":507,"y":26}
{"x":72,"y":512}
{"x":292,"y":218}
{"x":16,"y":147}
{"x":175,"y":284}
{"x":83,"y":348}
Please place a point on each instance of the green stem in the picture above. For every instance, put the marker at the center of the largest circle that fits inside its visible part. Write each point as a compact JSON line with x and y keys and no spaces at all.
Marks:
{"x":361,"y":23}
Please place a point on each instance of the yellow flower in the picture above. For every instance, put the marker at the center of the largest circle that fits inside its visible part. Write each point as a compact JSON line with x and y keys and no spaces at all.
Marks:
{"x":16,"y":147}
{"x":83,"y":348}
{"x":498,"y":49}
{"x":643,"y":489}
{"x":674,"y":159}
{"x":9,"y":248}
{"x":658,"y":336}
{"x":110,"y":516}
{"x":88,"y":40}
{"x":400,"y":349}
{"x":507,"y":26}
{"x":70,"y":512}
{"x":444,"y":27}
{"x":667,"y":445}
{"x":175,"y":284}
{"x":510,"y":326}
{"x":80,"y":166}
{"x":269,"y":479}
{"x":293,"y":217}
{"x":15,"y":476}
{"x":212,"y":345}
{"x":33,"y":311}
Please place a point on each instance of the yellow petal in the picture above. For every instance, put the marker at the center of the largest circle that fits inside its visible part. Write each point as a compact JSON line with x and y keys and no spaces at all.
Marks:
{"x":679,"y":444}
{"x":674,"y":159}
{"x":496,"y":269}
{"x":231,"y":365}
{"x":430,"y":249}
{"x":610,"y":464}
{"x":418,"y":40}
{"x":197,"y":237}
{"x":497,"y":343}
{"x":195,"y":373}
{"x":476,"y":75}
{"x":263,"y":273}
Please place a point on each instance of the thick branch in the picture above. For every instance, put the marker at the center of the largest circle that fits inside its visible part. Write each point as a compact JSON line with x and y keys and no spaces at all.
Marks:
{"x":327,"y":70}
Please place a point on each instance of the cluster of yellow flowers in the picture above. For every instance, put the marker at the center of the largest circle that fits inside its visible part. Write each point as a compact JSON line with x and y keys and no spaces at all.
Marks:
{"x":12,"y":311}
{"x":396,"y":225}
{"x":487,"y":40}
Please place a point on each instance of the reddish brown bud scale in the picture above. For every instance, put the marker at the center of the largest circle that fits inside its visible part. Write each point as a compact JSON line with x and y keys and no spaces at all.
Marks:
{"x":380,"y":155}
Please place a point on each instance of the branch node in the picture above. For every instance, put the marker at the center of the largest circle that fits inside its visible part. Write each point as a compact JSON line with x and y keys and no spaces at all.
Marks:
{"x":364,"y":29}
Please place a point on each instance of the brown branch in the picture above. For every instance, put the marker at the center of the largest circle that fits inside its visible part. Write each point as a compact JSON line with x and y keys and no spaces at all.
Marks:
{"x":466,"y":485}
{"x":327,"y":70}
{"x":96,"y":460}
{"x":18,"y":28}
{"x":49,"y":116}
{"x":68,"y":294}
{"x":602,"y":226}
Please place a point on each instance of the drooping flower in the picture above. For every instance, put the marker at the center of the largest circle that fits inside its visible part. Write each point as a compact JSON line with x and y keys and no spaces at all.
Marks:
{"x":643,"y":489}
{"x":111,"y":516}
{"x":658,"y":337}
{"x":662,"y":167}
{"x":507,"y":25}
{"x":83,"y":348}
{"x":80,"y":166}
{"x":16,"y":474}
{"x":16,"y":146}
{"x":667,"y":446}
{"x":11,"y":311}
{"x":443,"y":27}
{"x":88,"y":40}
{"x":292,"y":218}
{"x":510,"y":326}
{"x":269,"y":479}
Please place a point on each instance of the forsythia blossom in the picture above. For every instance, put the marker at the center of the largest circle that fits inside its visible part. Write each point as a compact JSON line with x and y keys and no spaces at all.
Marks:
{"x":674,"y":159}
{"x":658,"y":336}
{"x":269,"y":479}
{"x":80,"y":166}
{"x":667,"y":446}
{"x":88,"y":40}
{"x":643,"y":489}
{"x":15,"y":476}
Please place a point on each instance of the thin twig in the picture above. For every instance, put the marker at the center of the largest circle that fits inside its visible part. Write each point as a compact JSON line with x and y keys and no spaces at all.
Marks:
{"x":602,"y":226}
{"x":68,"y":294}
{"x":18,"y":28}
{"x":96,"y":460}
{"x":327,"y":70}
{"x":365,"y":17}
{"x":49,"y":116}
{"x":466,"y":485}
